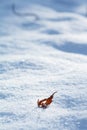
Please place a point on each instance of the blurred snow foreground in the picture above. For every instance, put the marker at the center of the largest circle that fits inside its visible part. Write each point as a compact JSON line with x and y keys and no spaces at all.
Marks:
{"x":39,"y":56}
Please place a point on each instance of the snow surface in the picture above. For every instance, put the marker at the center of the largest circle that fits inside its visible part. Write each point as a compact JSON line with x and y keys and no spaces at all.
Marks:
{"x":40,"y":56}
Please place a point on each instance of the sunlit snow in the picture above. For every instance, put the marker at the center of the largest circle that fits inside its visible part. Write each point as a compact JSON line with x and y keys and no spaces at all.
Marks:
{"x":40,"y":56}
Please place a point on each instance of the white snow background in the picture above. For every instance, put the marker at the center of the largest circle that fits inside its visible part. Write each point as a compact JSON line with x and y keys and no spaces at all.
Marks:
{"x":40,"y":54}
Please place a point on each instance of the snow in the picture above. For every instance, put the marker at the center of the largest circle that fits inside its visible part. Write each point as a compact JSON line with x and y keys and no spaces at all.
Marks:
{"x":38,"y":57}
